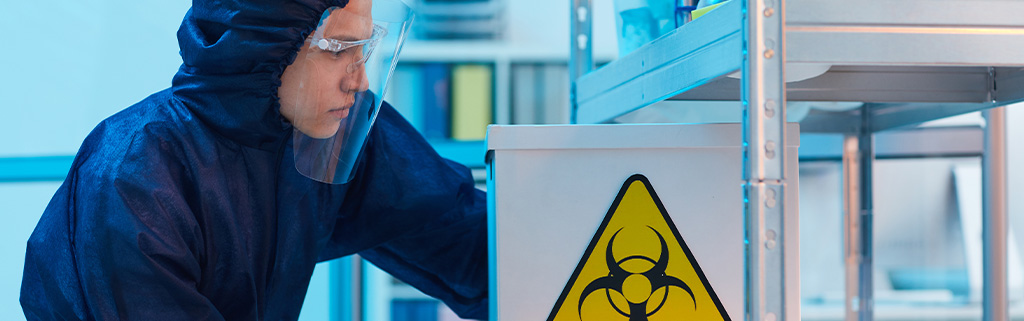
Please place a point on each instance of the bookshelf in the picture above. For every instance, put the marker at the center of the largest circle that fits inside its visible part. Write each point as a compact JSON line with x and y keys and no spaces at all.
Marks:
{"x":524,"y":84}
{"x":529,"y":84}
{"x":500,"y":51}
{"x":533,"y":44}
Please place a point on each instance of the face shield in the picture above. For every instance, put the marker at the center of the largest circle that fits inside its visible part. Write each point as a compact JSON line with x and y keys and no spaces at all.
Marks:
{"x":336,"y":84}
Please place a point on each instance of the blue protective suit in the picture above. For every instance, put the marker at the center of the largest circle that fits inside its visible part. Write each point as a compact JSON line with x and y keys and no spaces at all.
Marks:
{"x":187,"y":205}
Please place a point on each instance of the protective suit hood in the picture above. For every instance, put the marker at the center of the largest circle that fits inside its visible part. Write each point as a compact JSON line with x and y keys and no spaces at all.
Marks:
{"x":233,"y":54}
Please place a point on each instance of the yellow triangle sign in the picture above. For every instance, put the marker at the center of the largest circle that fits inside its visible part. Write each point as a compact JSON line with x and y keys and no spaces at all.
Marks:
{"x":637,"y":267}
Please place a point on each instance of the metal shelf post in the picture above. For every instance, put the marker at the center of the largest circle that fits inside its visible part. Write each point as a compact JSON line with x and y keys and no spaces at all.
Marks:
{"x":764,"y":109}
{"x":581,"y":57}
{"x":858,"y":219}
{"x":994,"y":217}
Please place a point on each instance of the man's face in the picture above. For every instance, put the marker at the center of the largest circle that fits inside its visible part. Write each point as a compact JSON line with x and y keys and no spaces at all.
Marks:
{"x":318,"y":89}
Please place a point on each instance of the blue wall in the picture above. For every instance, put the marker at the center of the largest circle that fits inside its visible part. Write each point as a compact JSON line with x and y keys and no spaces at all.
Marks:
{"x":69,"y":64}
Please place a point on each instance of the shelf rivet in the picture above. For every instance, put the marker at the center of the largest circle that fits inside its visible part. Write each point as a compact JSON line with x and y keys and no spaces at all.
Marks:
{"x":769,"y":108}
{"x":581,"y":42}
{"x":770,"y":203}
{"x":769,"y":316}
{"x":768,"y":54}
{"x":581,"y":14}
{"x":769,"y":149}
{"x":769,"y":244}
{"x":769,"y":12}
{"x":770,"y":234}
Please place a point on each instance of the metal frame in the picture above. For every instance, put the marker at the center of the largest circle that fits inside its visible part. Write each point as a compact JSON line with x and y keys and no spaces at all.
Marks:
{"x":925,"y":142}
{"x":858,"y":219}
{"x":764,"y":175}
{"x":994,"y":217}
{"x":915,"y":51}
{"x":581,"y":57}
{"x":935,"y":45}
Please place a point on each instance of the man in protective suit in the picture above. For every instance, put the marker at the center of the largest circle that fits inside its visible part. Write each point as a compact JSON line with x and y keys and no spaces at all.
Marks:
{"x":189,"y":205}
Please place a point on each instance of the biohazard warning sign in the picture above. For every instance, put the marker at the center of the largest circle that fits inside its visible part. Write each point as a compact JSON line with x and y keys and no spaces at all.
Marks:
{"x":637,"y":267}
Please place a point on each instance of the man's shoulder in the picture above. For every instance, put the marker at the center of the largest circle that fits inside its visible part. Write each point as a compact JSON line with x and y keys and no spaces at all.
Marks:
{"x":153,"y":132}
{"x":158,"y":116}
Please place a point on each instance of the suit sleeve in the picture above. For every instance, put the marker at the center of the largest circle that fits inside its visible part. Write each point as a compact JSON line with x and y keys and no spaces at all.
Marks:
{"x":117,"y":242}
{"x":419,"y":217}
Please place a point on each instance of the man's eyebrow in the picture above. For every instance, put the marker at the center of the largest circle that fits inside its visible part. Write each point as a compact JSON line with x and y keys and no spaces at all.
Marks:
{"x":348,"y":36}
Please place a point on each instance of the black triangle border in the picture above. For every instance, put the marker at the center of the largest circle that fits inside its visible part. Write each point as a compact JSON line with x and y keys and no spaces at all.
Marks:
{"x":671,"y":225}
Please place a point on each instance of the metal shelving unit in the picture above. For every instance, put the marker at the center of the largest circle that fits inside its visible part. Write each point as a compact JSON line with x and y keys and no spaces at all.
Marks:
{"x":909,"y":61}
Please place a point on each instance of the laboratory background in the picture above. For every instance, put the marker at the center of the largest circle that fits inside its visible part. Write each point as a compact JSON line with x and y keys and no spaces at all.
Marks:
{"x":70,"y":64}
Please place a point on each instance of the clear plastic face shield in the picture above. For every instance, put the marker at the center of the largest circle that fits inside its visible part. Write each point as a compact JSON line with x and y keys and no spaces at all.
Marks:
{"x":333,"y":90}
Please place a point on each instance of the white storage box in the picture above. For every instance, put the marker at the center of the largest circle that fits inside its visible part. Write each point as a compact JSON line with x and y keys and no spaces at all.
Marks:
{"x":559,"y":197}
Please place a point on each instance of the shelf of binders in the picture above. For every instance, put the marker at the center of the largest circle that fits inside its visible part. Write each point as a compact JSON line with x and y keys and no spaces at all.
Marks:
{"x":913,"y":60}
{"x":450,"y":90}
{"x":480,"y":51}
{"x":452,"y":103}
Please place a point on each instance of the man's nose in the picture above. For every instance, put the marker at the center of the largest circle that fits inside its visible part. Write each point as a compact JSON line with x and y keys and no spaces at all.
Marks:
{"x":356,"y":81}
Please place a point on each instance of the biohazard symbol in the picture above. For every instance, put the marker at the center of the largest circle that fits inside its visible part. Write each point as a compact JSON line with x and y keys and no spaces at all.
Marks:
{"x":630,"y":271}
{"x":654,"y":278}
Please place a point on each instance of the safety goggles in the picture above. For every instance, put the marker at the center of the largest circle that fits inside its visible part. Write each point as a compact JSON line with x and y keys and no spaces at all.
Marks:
{"x":363,"y":48}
